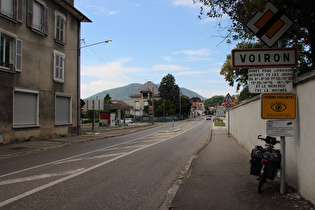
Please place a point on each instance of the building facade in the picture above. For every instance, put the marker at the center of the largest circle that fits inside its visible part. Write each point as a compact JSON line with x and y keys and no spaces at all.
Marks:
{"x":39,"y":69}
{"x":140,"y":97}
{"x":197,"y":107}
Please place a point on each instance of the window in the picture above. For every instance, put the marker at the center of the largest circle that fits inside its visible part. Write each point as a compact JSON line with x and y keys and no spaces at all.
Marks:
{"x":25,"y":108}
{"x":60,"y":21}
{"x":37,"y":16}
{"x":145,"y":103}
{"x":63,"y":109}
{"x":137,"y":105}
{"x":12,"y":9}
{"x":145,"y":95}
{"x":59,"y":66}
{"x":10,"y":52}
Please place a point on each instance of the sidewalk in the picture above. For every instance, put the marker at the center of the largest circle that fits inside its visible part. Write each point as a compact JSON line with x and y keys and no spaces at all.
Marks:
{"x":21,"y":148}
{"x":220,"y":179}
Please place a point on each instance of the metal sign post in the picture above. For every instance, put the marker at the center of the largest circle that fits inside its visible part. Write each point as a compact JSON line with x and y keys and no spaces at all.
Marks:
{"x":282,"y":175}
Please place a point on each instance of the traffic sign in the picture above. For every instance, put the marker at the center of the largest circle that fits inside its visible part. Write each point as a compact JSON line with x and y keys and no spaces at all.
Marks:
{"x":228,"y":99}
{"x":270,"y":80}
{"x":278,"y":106}
{"x":280,"y":127}
{"x":255,"y":58}
{"x":270,"y":24}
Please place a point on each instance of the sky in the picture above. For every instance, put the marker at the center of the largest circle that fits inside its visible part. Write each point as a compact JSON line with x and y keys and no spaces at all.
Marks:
{"x":150,"y":39}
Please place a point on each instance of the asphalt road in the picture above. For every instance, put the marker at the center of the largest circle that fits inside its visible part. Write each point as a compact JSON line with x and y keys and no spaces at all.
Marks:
{"x":134,"y":171}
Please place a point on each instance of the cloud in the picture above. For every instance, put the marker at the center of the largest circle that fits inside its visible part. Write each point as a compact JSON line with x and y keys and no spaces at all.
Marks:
{"x":186,"y":3}
{"x":115,"y":68}
{"x":215,"y":92}
{"x":195,"y":58}
{"x":191,"y":73}
{"x":214,"y":81}
{"x":165,"y":67}
{"x":200,"y":52}
{"x":168,"y":58}
{"x":98,"y":86}
{"x":106,"y":76}
{"x":100,"y":10}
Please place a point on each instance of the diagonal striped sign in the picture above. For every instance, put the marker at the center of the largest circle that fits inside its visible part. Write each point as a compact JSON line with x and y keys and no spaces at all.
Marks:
{"x":270,"y":24}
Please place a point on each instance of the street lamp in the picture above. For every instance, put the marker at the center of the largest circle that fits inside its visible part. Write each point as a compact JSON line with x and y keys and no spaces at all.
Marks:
{"x":107,"y":41}
{"x":79,"y":87}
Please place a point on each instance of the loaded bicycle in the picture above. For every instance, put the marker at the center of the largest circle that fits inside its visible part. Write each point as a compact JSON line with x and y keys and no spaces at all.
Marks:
{"x":265,"y":162}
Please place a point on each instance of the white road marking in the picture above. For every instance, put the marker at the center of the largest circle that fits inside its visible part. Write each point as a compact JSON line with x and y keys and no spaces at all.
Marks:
{"x":18,"y":197}
{"x":41,"y":176}
{"x":82,"y":154}
{"x":89,"y":158}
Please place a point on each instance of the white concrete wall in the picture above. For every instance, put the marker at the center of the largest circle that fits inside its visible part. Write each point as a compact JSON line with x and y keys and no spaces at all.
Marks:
{"x":246,"y":124}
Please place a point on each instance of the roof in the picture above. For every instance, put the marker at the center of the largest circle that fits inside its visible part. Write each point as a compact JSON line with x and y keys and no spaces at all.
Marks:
{"x":146,"y":88}
{"x":73,"y":10}
{"x":119,"y":102}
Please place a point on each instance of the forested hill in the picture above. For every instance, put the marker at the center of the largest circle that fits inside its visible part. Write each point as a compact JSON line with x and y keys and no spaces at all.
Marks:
{"x":123,"y":93}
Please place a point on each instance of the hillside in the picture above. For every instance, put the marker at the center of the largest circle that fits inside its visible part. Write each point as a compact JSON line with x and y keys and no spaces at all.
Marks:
{"x":122,"y":93}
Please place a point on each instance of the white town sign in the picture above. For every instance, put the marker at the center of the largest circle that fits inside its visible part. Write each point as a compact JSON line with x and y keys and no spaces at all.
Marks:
{"x":255,"y":58}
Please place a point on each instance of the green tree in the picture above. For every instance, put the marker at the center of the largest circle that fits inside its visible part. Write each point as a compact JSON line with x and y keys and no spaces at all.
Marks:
{"x":169,"y":90}
{"x":107,"y":99}
{"x":301,"y":35}
{"x":211,"y":102}
{"x":245,"y":94}
{"x":185,"y":106}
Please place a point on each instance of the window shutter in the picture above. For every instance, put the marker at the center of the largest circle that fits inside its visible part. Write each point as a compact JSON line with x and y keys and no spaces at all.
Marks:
{"x":45,"y":20}
{"x":18,"y":55}
{"x":29,"y":19}
{"x":61,"y":74}
{"x":25,"y":109}
{"x":19,"y":10}
{"x":63,"y":110}
{"x":62,"y":22}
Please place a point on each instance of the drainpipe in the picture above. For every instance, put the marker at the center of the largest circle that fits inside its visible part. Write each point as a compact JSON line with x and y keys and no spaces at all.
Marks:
{"x":79,"y":80}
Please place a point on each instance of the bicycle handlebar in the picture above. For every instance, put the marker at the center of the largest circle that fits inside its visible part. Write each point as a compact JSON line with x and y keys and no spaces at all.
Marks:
{"x":269,"y":139}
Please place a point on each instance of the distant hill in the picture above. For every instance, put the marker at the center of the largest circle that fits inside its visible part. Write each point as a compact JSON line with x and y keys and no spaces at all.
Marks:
{"x":123,"y":93}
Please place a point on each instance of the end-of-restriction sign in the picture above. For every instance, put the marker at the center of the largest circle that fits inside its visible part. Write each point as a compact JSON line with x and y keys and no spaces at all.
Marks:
{"x":278,"y":106}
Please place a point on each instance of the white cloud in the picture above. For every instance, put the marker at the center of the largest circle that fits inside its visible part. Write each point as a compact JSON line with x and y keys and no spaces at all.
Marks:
{"x":168,"y":58}
{"x":216,"y":92}
{"x":200,"y":52}
{"x":165,"y":67}
{"x":106,"y":76}
{"x":110,"y":69}
{"x":186,"y":3}
{"x":98,"y":86}
{"x":214,"y":81}
{"x":100,"y":10}
{"x":195,"y":58}
{"x":190,"y":73}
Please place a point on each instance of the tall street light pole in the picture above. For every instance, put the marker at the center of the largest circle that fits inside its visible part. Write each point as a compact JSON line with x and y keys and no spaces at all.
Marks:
{"x":79,"y":86}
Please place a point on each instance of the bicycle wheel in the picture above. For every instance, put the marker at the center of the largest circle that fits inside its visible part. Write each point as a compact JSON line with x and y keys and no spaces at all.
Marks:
{"x":262,"y":180}
{"x":262,"y":177}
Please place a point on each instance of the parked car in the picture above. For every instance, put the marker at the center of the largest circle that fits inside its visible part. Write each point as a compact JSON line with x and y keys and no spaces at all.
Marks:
{"x":129,"y":120}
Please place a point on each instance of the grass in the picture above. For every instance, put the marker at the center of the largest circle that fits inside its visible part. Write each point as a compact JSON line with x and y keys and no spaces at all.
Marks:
{"x":219,"y":124}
